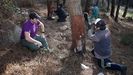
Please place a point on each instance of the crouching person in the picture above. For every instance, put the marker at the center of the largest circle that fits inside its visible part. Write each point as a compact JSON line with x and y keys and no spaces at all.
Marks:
{"x":61,"y":13}
{"x":29,"y":36}
{"x":102,"y":47}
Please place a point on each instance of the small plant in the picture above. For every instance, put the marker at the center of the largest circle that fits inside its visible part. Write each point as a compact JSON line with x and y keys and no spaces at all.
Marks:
{"x":127,"y":39}
{"x":8,"y":5}
{"x":7,"y":8}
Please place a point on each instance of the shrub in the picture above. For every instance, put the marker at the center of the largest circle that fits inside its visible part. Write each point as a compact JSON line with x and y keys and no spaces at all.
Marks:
{"x":7,"y":8}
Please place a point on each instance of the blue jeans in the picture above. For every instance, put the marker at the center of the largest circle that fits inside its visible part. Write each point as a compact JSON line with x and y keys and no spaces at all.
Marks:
{"x":32,"y":46}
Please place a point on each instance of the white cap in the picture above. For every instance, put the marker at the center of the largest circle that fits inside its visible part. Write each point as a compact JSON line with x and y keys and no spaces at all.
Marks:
{"x":97,"y":20}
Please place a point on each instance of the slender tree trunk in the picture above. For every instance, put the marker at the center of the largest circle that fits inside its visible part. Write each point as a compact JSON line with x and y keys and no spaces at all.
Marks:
{"x":64,"y":2}
{"x":77,"y":24}
{"x":126,"y":7}
{"x":117,"y":11}
{"x":102,"y":3}
{"x":83,"y":4}
{"x":108,"y":6}
{"x":49,"y":9}
{"x":112,"y":8}
{"x":97,"y":2}
{"x":87,"y":6}
{"x":58,"y":2}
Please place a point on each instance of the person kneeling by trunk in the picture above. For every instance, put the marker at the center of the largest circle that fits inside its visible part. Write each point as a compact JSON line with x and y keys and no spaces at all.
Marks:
{"x":29,"y":37}
{"x":61,"y":13}
{"x":102,"y":47}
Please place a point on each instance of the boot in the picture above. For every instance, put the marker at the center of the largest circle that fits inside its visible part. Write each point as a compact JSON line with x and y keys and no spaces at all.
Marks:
{"x":123,"y":70}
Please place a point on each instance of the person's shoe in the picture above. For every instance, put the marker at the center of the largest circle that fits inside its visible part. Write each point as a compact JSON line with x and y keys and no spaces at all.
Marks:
{"x":50,"y":18}
{"x":43,"y":50}
{"x":124,"y":70}
{"x":78,"y":52}
{"x":60,"y":20}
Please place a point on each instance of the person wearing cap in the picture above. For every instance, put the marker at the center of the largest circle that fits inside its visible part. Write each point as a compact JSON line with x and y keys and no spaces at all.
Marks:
{"x":29,"y":37}
{"x":102,"y":47}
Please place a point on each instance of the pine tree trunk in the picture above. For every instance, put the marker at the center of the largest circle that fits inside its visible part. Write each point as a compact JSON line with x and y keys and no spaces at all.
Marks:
{"x":112,"y":8}
{"x":77,"y":23}
{"x":58,"y":2}
{"x":87,"y":6}
{"x":50,"y":10}
{"x":126,"y":7}
{"x":83,"y":4}
{"x":97,"y":2}
{"x":64,"y":2}
{"x":117,"y":11}
{"x":108,"y":6}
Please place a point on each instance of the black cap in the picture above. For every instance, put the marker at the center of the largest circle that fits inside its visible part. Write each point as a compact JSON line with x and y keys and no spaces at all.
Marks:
{"x":101,"y":24}
{"x":33,"y":15}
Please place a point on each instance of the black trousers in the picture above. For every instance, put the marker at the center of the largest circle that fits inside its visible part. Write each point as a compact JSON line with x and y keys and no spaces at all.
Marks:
{"x":108,"y":64}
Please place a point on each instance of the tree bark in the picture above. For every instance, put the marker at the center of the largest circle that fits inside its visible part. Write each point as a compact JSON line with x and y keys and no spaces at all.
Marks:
{"x":117,"y":11}
{"x":49,"y":9}
{"x":108,"y":6}
{"x":112,"y":8}
{"x":96,"y":2}
{"x":87,"y":6}
{"x":58,"y":2}
{"x":125,"y":10}
{"x":77,"y":23}
{"x":83,"y":2}
{"x":64,"y":2}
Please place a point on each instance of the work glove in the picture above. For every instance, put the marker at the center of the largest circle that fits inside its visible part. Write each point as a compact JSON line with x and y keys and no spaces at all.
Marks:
{"x":38,"y":44}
